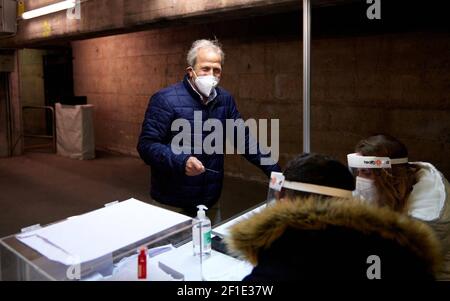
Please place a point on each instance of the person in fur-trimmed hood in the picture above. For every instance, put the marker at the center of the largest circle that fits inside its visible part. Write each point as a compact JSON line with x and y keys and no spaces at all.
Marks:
{"x":311,"y":235}
{"x":333,"y":239}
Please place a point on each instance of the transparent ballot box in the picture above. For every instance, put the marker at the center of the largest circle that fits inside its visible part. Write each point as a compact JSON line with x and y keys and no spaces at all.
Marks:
{"x":98,"y":245}
{"x":108,"y":245}
{"x":20,"y":262}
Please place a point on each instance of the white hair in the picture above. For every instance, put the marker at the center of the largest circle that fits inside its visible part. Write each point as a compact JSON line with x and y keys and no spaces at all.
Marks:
{"x":197,"y":45}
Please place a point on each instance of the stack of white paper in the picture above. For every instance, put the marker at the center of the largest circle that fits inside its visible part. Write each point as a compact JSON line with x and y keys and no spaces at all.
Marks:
{"x":100,"y":232}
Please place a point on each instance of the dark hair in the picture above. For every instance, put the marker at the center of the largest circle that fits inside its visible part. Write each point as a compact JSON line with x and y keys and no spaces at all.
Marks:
{"x":382,"y":145}
{"x":317,"y":169}
{"x":395,"y":184}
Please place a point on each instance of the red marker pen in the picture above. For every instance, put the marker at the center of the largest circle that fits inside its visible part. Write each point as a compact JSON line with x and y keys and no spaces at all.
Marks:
{"x":142,"y":263}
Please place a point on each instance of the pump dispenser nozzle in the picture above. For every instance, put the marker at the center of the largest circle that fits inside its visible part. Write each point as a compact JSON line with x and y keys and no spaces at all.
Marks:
{"x":201,"y":211}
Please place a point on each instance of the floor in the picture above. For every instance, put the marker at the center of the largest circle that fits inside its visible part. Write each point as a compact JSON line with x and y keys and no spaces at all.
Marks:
{"x":43,"y":188}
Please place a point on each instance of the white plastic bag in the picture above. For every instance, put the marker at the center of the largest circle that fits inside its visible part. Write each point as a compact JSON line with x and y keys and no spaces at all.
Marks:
{"x":75,"y":131}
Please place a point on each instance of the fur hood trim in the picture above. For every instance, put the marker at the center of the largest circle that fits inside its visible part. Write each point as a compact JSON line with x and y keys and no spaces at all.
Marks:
{"x":260,"y":230}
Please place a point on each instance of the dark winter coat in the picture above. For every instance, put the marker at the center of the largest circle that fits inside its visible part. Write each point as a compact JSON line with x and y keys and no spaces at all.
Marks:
{"x":169,"y":183}
{"x":334,"y":239}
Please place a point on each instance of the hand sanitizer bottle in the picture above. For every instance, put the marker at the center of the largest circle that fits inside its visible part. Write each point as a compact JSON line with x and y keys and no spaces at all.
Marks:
{"x":202,"y":236}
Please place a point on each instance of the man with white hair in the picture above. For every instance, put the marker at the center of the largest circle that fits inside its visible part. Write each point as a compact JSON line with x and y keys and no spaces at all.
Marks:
{"x":185,"y":180}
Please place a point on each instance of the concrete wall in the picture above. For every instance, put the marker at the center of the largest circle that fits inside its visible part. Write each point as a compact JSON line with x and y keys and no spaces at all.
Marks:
{"x":395,"y":83}
{"x":4,"y":126}
{"x":16,"y":107}
{"x":10,"y":126}
{"x":392,"y":83}
{"x":32,"y":89}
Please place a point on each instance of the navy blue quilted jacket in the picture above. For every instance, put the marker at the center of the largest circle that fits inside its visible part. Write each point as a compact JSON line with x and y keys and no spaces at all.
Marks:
{"x":169,"y":183}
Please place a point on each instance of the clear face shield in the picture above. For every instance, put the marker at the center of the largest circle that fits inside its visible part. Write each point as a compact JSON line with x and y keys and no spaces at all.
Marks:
{"x":278,"y":183}
{"x":365,"y":169}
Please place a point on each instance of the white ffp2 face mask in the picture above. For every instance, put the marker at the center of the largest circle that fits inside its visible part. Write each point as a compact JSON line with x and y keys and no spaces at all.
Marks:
{"x":366,"y":190}
{"x":205,"y":83}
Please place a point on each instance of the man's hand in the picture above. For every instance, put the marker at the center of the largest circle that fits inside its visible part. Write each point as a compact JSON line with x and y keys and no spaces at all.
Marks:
{"x":194,"y":167}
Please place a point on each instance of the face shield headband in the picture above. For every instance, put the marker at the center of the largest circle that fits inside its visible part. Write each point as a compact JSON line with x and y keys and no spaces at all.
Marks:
{"x":277,"y":182}
{"x":358,"y":161}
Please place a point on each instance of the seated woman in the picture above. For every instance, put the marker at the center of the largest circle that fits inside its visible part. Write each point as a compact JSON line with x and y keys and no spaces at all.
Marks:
{"x":312,"y":234}
{"x":385,"y":177}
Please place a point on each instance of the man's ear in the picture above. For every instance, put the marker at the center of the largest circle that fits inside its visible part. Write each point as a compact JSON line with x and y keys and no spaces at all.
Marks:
{"x":189,"y":71}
